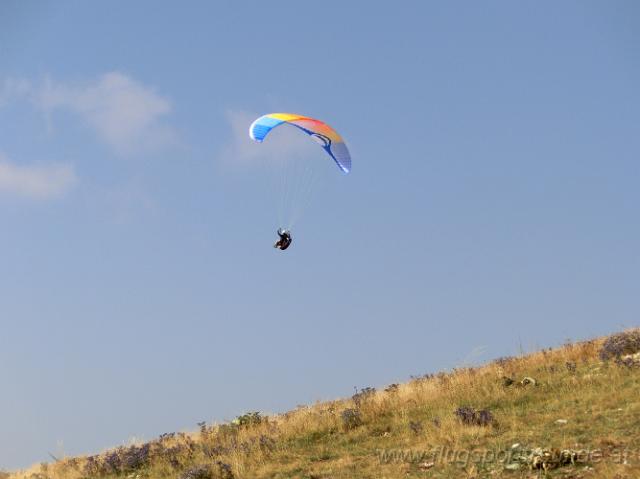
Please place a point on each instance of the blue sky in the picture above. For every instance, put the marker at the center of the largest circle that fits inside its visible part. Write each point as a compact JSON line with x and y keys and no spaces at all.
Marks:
{"x":493,"y":203}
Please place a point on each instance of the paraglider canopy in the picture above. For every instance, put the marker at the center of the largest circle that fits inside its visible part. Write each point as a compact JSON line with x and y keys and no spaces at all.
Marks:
{"x":322,"y":133}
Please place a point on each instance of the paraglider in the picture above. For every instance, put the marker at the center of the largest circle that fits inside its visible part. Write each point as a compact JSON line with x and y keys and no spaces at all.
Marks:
{"x":285,"y":239}
{"x":320,"y":132}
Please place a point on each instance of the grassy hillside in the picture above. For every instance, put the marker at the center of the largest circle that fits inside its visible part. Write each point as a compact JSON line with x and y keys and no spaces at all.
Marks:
{"x":570,"y":412}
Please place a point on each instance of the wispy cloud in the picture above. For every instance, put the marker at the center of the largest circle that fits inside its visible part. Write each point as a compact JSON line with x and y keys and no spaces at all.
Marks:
{"x":285,"y":144}
{"x":13,"y":89}
{"x":125,"y":114}
{"x":41,"y":181}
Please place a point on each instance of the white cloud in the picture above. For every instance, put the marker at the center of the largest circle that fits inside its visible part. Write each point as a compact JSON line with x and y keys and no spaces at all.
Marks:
{"x":125,"y":114}
{"x":283,"y":145}
{"x":41,"y":181}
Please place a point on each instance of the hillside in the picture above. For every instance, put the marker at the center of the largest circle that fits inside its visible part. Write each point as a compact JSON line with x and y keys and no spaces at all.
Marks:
{"x":571,"y":412}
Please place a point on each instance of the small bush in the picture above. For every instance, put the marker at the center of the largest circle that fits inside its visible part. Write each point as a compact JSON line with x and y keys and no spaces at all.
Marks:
{"x":507,"y":381}
{"x":423,"y":377}
{"x":201,"y":471}
{"x":224,"y":470}
{"x":217,"y":470}
{"x":351,"y":418}
{"x":620,"y":344}
{"x":471,"y":417}
{"x":167,"y":436}
{"x":415,"y":426}
{"x":72,"y":463}
{"x":248,"y":419}
{"x":392,"y":388}
{"x":214,"y":450}
{"x":91,"y":466}
{"x":112,"y":462}
{"x":135,"y":457}
{"x":363,"y":395}
{"x":177,"y":455}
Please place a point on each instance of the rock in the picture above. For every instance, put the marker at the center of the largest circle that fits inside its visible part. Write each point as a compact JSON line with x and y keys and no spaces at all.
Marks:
{"x":630,"y":360}
{"x":426,"y":465}
{"x":526,"y":381}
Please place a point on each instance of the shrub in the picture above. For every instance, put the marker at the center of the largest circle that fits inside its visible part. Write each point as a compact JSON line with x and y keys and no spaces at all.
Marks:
{"x":224,"y":470}
{"x":422,"y":377}
{"x":217,"y":470}
{"x":167,"y":436}
{"x":111,"y":462}
{"x":507,"y":381}
{"x":135,"y":457}
{"x":415,"y":426}
{"x":620,"y":344}
{"x":471,"y":417}
{"x":201,"y":471}
{"x":363,"y":395}
{"x":248,"y":419}
{"x":392,"y":388}
{"x":351,"y":418}
{"x":485,"y":418}
{"x":92,"y":466}
{"x":176,"y":455}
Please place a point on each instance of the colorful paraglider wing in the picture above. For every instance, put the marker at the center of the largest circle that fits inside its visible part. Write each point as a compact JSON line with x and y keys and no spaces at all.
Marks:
{"x":322,"y":133}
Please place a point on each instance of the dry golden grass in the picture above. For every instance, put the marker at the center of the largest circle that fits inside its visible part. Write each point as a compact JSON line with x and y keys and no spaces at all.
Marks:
{"x":411,"y":430}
